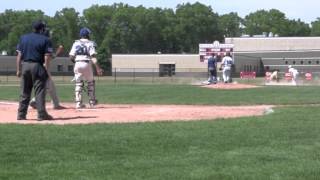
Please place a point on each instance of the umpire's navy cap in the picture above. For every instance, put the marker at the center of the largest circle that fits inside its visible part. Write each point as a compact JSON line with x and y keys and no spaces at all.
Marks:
{"x":38,"y":25}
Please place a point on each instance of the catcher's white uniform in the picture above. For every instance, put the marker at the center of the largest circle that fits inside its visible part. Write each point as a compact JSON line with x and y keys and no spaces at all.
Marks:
{"x":227,"y":63}
{"x":83,"y":50}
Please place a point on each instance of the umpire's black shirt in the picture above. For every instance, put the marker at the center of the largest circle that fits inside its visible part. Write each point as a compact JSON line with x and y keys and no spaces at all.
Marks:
{"x":33,"y":47}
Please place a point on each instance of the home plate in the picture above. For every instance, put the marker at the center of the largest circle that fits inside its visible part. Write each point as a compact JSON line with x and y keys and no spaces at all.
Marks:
{"x":89,"y":109}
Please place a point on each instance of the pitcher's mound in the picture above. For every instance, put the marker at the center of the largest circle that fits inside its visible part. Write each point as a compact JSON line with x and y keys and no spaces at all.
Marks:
{"x":230,"y":86}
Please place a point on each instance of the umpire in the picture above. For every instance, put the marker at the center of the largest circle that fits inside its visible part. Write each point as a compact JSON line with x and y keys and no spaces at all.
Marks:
{"x":33,"y":59}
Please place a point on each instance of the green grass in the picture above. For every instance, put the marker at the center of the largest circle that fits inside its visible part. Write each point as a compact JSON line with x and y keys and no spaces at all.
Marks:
{"x":185,"y":94}
{"x":282,"y":145}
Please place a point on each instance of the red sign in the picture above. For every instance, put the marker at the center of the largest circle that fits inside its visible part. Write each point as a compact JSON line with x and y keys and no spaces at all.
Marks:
{"x":268,"y":74}
{"x":308,"y":76}
{"x":250,"y":75}
{"x":288,"y":76}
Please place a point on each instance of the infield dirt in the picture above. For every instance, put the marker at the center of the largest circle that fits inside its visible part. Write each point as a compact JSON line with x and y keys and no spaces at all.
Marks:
{"x":129,"y":113}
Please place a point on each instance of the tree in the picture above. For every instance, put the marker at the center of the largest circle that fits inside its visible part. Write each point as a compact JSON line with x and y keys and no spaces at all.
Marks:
{"x":13,"y":24}
{"x":315,"y":27}
{"x":98,"y":20}
{"x":152,"y":30}
{"x":170,"y":38}
{"x":266,"y":21}
{"x":65,"y":27}
{"x":230,"y":24}
{"x":196,"y":23}
{"x":298,"y":28}
{"x":121,"y":34}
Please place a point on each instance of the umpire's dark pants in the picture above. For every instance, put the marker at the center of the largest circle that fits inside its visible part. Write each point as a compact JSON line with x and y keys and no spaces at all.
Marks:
{"x":33,"y":75}
{"x":213,"y":72}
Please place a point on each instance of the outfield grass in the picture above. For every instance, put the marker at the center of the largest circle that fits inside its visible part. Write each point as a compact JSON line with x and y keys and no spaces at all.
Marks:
{"x":282,"y":145}
{"x":185,"y":94}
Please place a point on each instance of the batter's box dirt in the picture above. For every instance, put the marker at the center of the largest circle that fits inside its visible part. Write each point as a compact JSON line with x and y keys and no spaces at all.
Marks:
{"x":109,"y":113}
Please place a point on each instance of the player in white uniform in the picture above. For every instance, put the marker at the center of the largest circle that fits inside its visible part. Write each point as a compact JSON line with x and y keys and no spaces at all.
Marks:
{"x":274,"y":75}
{"x":226,"y":65}
{"x":294,"y":74}
{"x":83,"y":54}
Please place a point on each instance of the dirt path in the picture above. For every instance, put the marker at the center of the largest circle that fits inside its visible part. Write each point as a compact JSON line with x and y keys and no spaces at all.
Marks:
{"x":110,"y":113}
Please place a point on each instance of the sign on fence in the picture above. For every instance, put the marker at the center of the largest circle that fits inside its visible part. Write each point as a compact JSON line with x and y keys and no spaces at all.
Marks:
{"x":248,"y":75}
{"x":268,"y":76}
{"x":308,"y":76}
{"x":288,"y":76}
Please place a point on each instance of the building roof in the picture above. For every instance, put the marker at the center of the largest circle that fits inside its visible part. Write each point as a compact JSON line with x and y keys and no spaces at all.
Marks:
{"x":252,"y":44}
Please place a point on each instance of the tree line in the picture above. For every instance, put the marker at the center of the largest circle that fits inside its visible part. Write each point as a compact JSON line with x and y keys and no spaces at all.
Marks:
{"x":121,"y":28}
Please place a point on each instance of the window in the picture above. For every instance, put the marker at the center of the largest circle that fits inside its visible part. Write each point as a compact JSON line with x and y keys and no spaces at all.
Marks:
{"x":167,"y":70}
{"x":70,"y":68}
{"x":294,"y":62}
{"x":301,"y":62}
{"x":286,"y":62}
{"x":317,"y":61}
{"x":309,"y":62}
{"x":60,"y":68}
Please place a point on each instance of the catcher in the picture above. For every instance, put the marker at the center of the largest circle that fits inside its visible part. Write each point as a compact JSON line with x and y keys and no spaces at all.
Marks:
{"x":83,"y":54}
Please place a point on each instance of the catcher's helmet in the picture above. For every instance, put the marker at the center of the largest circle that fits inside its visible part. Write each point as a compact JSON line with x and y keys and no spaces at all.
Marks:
{"x":46,"y":32}
{"x":84,"y":32}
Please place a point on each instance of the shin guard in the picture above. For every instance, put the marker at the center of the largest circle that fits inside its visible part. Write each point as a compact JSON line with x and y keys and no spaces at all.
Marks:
{"x":78,"y":91}
{"x":91,"y":93}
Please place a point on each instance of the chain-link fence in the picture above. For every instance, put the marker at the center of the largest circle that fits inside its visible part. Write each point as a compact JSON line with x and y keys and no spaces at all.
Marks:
{"x":194,"y":76}
{"x":119,"y":75}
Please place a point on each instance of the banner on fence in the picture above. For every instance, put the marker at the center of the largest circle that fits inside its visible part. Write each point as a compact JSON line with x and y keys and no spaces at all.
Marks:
{"x":308,"y":76}
{"x":248,"y":75}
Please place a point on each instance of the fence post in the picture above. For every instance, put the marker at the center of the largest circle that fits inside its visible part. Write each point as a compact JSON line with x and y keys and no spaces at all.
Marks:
{"x":115,"y":75}
{"x":7,"y":74}
{"x":152,"y":75}
{"x":134,"y":74}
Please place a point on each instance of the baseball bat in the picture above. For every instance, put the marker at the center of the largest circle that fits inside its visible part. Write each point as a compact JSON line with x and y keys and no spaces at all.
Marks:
{"x":59,"y":50}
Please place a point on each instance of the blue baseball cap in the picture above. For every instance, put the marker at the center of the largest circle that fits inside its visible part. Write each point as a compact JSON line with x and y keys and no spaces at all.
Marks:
{"x":84,"y":32}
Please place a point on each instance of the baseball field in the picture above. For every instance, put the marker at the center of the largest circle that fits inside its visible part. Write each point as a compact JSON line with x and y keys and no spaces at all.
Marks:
{"x":280,"y":142}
